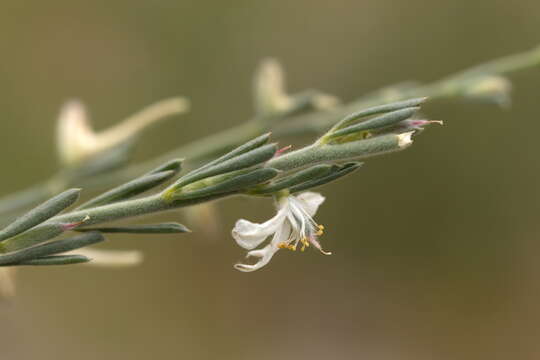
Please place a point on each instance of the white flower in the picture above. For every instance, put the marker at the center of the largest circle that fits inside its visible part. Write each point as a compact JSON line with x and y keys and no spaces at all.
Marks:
{"x":293,"y":224}
{"x":271,"y":95}
{"x":491,"y":88}
{"x":109,"y":258}
{"x":77,"y":141}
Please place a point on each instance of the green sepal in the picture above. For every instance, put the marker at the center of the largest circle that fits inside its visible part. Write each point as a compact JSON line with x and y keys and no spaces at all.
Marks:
{"x":375,"y":110}
{"x":377,"y":122}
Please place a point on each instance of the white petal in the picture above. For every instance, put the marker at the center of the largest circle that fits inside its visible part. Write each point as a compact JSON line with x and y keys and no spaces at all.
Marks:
{"x":110,"y":258}
{"x":250,"y":235}
{"x":75,"y":137}
{"x":265,"y":254}
{"x":310,"y":201}
{"x":282,"y":235}
{"x":77,"y":141}
{"x":7,"y":282}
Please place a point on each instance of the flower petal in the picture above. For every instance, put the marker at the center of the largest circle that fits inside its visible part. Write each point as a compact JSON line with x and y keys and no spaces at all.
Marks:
{"x":265,"y":255}
{"x":249,"y":235}
{"x":310,"y":201}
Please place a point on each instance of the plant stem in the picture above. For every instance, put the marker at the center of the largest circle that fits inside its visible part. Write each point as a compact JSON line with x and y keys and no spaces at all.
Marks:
{"x":355,"y":150}
{"x":130,"y":208}
{"x":201,"y":149}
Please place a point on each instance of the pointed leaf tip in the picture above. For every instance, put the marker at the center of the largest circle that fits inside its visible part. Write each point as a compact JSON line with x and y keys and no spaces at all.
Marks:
{"x":41,"y":213}
{"x":165,"y":228}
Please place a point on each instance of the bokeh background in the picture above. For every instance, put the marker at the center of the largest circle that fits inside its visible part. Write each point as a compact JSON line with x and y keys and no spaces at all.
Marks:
{"x":435,"y":248}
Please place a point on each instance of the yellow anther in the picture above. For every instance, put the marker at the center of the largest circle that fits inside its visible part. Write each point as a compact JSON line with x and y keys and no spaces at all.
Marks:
{"x":284,"y":245}
{"x":321,"y":230}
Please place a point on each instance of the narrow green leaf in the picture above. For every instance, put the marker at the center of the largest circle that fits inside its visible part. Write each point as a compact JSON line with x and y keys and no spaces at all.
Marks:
{"x":377,"y":110}
{"x":130,"y":189}
{"x":378,"y":122}
{"x":56,"y":260}
{"x":172,"y":165}
{"x":337,"y":173}
{"x":301,"y":176}
{"x":242,"y":161}
{"x":36,"y":235}
{"x":347,"y":151}
{"x":166,"y":228}
{"x":41,"y":213}
{"x":250,"y":145}
{"x":237,"y":183}
{"x":51,"y":248}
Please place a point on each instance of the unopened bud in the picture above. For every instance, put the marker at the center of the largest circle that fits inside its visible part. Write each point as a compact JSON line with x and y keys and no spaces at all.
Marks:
{"x":404,"y":139}
{"x":110,"y":258}
{"x":269,"y":88}
{"x":77,"y":141}
{"x":272,"y":99}
{"x":491,"y":88}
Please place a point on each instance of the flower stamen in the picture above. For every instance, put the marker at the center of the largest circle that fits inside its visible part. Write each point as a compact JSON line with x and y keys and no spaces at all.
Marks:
{"x":292,"y":228}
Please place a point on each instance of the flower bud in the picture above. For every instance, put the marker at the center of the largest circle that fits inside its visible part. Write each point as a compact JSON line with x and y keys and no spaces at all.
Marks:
{"x":271,"y":98}
{"x":269,"y":89}
{"x":78,"y":142}
{"x":490,"y":88}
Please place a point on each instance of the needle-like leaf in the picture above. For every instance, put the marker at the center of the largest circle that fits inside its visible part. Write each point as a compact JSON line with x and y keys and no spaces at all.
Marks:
{"x":130,"y":189}
{"x":337,"y":173}
{"x":51,"y":248}
{"x":165,"y":228}
{"x":55,"y":260}
{"x":41,"y":213}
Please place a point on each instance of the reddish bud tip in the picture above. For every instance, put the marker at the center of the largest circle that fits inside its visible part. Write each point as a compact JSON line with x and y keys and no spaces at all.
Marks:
{"x":282,"y":150}
{"x":73,"y":225}
{"x":420,"y":123}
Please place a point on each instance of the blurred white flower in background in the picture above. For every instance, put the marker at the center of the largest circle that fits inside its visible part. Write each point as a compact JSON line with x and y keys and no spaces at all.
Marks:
{"x":78,"y":142}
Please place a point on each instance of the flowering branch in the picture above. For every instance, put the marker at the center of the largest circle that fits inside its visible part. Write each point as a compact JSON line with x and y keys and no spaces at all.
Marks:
{"x":484,"y":82}
{"x":379,"y":123}
{"x":256,"y":168}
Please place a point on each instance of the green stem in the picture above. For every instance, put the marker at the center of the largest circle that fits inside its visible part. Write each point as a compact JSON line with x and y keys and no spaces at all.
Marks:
{"x":130,"y":208}
{"x":314,"y":123}
{"x":354,"y":150}
{"x":195,"y":153}
{"x":115,"y":211}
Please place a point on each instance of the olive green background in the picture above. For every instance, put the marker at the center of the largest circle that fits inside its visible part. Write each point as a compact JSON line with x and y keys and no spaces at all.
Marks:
{"x":435,"y":248}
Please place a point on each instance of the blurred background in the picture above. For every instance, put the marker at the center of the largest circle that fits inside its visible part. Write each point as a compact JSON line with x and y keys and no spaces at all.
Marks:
{"x":435,"y":248}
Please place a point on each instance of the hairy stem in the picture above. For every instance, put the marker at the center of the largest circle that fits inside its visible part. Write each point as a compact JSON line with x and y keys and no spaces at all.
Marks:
{"x":201,"y":149}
